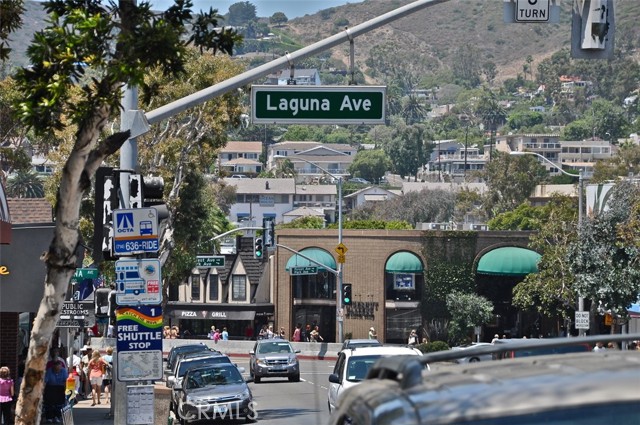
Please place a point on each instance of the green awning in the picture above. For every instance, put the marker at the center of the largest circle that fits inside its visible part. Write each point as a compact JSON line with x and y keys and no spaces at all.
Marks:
{"x":404,"y":262}
{"x":509,"y":261}
{"x":317,"y":254}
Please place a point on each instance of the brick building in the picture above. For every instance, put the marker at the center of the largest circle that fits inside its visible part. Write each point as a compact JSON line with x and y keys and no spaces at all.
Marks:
{"x":386,"y":269}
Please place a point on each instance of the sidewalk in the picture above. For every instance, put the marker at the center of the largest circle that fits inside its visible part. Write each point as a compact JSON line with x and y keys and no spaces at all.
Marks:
{"x":84,"y":413}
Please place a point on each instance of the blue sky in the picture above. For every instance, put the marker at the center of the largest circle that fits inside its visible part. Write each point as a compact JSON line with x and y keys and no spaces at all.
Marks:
{"x":264,"y":8}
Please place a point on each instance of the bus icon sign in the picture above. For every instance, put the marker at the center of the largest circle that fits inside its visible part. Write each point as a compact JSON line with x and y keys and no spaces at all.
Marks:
{"x":136,"y":231}
{"x":138,"y":282}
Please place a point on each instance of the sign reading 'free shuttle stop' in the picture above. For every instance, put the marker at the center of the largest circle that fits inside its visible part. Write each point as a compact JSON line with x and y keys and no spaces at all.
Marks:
{"x":318,"y":104}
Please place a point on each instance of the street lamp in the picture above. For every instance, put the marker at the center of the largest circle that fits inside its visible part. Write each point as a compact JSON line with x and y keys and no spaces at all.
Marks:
{"x":580,"y":195}
{"x":339,"y":315}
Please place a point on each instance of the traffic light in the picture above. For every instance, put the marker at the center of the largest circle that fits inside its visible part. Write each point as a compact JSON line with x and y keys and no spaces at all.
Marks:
{"x":269,"y":226}
{"x":346,"y":294}
{"x":258,"y":248}
{"x":593,"y":29}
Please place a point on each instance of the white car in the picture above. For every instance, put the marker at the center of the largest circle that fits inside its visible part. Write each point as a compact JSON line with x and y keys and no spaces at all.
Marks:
{"x":353,"y":365}
{"x":474,"y":358}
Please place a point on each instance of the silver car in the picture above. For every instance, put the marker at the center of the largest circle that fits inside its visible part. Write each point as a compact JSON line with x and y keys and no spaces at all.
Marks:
{"x":274,"y":358}
{"x":214,"y":391}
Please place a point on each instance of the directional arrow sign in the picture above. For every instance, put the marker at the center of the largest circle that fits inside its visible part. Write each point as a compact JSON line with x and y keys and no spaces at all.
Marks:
{"x":318,"y":104}
{"x":341,"y":249}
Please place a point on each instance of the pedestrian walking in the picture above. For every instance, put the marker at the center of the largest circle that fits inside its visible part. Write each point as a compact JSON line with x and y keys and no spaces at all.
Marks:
{"x":6,"y":395}
{"x":97,"y":368}
{"x":372,"y":333}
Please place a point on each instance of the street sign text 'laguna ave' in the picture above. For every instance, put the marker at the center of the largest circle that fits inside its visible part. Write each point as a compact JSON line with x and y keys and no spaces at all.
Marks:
{"x":318,"y":104}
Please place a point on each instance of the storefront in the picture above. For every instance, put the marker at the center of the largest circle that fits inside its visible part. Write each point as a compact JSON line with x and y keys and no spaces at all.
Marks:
{"x":241,"y":320}
{"x":314,"y":299}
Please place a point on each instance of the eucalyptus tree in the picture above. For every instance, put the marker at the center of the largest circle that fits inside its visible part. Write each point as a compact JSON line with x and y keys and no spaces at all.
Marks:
{"x":605,"y":264}
{"x":550,"y":292}
{"x":510,"y":181}
{"x":120,"y":43}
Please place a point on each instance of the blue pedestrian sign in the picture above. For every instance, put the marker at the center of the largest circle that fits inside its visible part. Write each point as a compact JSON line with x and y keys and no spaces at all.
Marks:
{"x":136,"y":231}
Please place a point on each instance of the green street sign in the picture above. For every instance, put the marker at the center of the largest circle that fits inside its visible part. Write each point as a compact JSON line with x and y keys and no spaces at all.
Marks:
{"x":82,"y":274}
{"x":297,"y":271}
{"x":318,"y":104}
{"x":206,"y":261}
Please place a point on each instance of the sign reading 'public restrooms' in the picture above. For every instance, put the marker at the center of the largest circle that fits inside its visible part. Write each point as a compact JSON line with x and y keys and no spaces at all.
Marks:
{"x":318,"y":104}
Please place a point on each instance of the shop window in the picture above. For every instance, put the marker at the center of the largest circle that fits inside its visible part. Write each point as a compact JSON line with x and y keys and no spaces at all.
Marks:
{"x":239,"y":288}
{"x":404,"y":286}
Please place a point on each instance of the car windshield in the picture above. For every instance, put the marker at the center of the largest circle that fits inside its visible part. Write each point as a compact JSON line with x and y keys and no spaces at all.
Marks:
{"x":214,"y":376}
{"x":186,"y":365}
{"x":274,"y":347}
{"x":358,"y":367}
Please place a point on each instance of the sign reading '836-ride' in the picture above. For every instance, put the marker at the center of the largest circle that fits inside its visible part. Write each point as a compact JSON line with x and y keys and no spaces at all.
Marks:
{"x":318,"y":104}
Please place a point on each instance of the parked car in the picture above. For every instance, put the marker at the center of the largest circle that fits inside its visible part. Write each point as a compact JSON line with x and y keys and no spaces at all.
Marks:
{"x":474,"y":357}
{"x":177,"y":349}
{"x":359,"y":180}
{"x":516,"y":351}
{"x":214,"y":391}
{"x":274,"y":358}
{"x":189,"y":361}
{"x":353,"y":364}
{"x":239,"y":176}
{"x":561,"y":389}
{"x":353,"y":343}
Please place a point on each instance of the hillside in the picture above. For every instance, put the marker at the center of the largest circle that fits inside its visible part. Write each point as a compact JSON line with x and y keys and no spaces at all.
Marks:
{"x":424,"y":42}
{"x":427,"y":40}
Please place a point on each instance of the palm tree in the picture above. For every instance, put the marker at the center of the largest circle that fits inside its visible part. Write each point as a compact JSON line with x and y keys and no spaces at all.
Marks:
{"x":25,"y":184}
{"x":491,"y":113}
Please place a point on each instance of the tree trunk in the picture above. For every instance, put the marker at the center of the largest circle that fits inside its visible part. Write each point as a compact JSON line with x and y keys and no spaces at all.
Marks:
{"x":61,"y":259}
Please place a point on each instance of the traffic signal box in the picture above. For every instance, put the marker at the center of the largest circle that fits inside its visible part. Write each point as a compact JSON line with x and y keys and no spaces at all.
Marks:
{"x":346,"y":294}
{"x":593,"y":29}
{"x":258,"y":248}
{"x":144,"y":192}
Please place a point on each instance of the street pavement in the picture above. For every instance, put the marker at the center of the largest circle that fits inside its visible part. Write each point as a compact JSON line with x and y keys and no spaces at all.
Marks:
{"x":84,"y":413}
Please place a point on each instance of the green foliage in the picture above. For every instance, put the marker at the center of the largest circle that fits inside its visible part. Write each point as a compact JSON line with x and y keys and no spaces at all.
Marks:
{"x":10,"y":21}
{"x":241,"y":13}
{"x":25,"y":184}
{"x":307,"y":222}
{"x":83,"y":35}
{"x":607,"y":269}
{"x":524,"y":119}
{"x":370,"y":164}
{"x":341,"y":23}
{"x":550,"y":292}
{"x":467,"y":310}
{"x":432,"y":347}
{"x":278,"y":18}
{"x":510,"y":180}
{"x":377,"y":224}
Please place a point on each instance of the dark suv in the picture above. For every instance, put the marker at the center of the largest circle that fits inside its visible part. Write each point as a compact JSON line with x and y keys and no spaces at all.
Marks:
{"x":274,"y":358}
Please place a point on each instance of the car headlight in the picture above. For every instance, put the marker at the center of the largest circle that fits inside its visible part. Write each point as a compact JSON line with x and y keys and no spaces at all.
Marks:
{"x":260,"y":361}
{"x":245,"y":394}
{"x":293,"y":361}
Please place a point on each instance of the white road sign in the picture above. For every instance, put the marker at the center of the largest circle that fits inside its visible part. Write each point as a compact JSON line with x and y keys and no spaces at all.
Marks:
{"x":532,"y":10}
{"x":135,"y":231}
{"x":138,"y":282}
{"x":582,"y":320}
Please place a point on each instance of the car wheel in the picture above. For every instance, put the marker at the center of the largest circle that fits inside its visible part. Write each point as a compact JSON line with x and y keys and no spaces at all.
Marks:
{"x":474,"y":360}
{"x":294,"y":378}
{"x":256,"y":379}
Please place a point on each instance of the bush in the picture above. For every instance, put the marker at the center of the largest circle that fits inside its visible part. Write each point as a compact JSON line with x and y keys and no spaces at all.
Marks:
{"x":430,"y":347}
